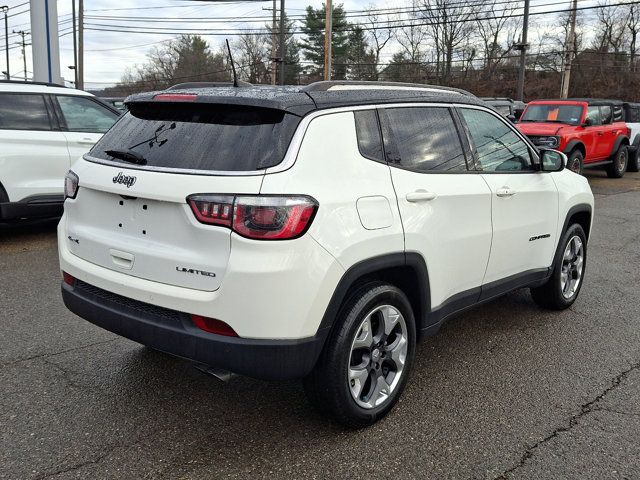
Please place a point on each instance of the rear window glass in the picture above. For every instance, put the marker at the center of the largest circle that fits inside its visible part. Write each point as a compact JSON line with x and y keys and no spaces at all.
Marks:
{"x":23,"y":112}
{"x":200,"y":136}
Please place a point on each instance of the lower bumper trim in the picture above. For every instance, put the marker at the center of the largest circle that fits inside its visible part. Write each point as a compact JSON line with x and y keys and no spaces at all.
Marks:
{"x":174,"y":333}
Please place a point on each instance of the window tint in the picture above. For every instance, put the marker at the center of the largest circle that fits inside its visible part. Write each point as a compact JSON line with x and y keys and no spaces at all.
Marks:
{"x":201,"y":136}
{"x":606,"y":113}
{"x":497,"y":146}
{"x":633,"y":115}
{"x":84,"y":115}
{"x":593,"y":114}
{"x":368,"y":133}
{"x":23,"y":112}
{"x":560,"y":113}
{"x":423,"y":139}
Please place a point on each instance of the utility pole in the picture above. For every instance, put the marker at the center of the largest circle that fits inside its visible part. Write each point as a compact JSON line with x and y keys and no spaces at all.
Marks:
{"x":274,"y":53}
{"x":80,"y":64}
{"x":328,"y":30}
{"x":568,"y":51}
{"x":522,"y":46}
{"x":75,"y":44}
{"x":282,"y":46}
{"x":5,"y":9}
{"x":23,"y":34}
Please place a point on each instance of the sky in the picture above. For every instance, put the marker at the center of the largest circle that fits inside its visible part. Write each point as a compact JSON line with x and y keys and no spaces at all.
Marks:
{"x":109,"y":54}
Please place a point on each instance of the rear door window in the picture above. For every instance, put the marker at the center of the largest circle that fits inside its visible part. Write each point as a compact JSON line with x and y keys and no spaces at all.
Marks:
{"x":204,"y":137}
{"x":606,"y":113}
{"x":423,"y":139}
{"x":85,"y":115}
{"x":594,"y":115}
{"x":20,"y":111}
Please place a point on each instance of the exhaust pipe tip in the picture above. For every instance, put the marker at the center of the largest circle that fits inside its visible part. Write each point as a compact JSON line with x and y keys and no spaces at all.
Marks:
{"x":219,"y":373}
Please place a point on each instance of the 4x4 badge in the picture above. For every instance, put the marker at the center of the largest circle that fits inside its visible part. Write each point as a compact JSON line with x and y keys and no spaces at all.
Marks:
{"x":127,"y":180}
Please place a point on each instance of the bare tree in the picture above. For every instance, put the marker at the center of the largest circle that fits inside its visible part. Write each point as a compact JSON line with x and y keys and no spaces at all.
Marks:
{"x":496,"y":29}
{"x":450,"y":27}
{"x":252,"y":52}
{"x":633,"y":25}
{"x":378,"y":37}
{"x":411,"y":38}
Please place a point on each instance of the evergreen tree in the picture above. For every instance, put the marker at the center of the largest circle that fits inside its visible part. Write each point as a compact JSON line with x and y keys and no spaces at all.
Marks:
{"x":361,"y":57}
{"x":312,"y":45}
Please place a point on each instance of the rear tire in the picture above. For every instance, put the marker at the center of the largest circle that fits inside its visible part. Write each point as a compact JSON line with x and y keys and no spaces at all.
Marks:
{"x":563,"y":287}
{"x":619,"y":165}
{"x":575,"y":163}
{"x":367,"y":358}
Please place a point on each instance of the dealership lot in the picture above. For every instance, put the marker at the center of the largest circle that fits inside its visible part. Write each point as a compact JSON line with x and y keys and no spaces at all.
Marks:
{"x":504,"y":391}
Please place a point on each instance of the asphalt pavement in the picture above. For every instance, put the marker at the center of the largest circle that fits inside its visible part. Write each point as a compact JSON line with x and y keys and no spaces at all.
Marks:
{"x":506,"y":390}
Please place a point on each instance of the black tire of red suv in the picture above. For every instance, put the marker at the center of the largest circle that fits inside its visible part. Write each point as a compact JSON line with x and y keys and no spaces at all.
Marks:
{"x":575,"y":162}
{"x":617,"y":168}
{"x":328,"y":386}
{"x":550,"y":295}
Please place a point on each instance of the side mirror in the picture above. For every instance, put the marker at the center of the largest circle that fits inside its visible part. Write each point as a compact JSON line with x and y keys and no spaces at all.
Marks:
{"x":587,"y":122}
{"x":512,"y":118}
{"x":552,"y":160}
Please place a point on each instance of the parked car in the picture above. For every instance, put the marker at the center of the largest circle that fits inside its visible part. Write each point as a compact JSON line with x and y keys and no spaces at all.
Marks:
{"x":509,"y":108}
{"x":43,"y":128}
{"x":631,"y":116}
{"x":584,"y":129}
{"x":315,"y":232}
{"x":115,"y":102}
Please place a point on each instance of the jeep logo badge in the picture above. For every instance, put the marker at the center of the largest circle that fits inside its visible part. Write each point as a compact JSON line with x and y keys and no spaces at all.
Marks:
{"x":127,"y":180}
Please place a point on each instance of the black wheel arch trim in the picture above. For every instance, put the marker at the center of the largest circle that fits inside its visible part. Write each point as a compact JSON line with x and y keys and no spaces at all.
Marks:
{"x":580,"y":208}
{"x":371,"y":266}
{"x":572,"y":146}
{"x":616,"y":146}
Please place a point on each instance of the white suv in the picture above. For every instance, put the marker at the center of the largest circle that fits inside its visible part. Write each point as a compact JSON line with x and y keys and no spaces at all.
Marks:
{"x":43,"y":129}
{"x":314,"y":232}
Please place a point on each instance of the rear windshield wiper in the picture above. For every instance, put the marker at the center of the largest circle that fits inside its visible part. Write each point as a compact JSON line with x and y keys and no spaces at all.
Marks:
{"x":127,"y":155}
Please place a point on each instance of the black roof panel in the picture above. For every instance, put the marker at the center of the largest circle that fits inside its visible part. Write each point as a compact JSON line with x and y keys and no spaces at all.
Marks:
{"x":302,"y":100}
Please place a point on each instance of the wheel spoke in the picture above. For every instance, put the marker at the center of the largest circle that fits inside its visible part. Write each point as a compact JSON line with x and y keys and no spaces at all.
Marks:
{"x":380,"y":392}
{"x":364,"y":338}
{"x":357,"y":379}
{"x":399,"y":352}
{"x":390,"y":316}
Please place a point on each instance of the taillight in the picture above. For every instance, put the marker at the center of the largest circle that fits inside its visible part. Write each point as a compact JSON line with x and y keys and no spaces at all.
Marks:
{"x":176,"y":97}
{"x":212,"y":325}
{"x":261,"y":217}
{"x":70,"y":185}
{"x":213,"y":209}
{"x":68,"y":279}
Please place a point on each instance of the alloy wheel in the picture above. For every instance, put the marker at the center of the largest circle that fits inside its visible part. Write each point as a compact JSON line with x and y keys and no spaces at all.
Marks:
{"x":572,"y":267}
{"x":377,"y":357}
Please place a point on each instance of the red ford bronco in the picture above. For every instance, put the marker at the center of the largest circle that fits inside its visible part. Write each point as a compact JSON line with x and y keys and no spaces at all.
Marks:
{"x":586,"y":130}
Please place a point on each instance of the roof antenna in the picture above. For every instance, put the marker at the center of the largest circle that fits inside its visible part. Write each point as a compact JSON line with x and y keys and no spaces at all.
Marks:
{"x":233,"y":67}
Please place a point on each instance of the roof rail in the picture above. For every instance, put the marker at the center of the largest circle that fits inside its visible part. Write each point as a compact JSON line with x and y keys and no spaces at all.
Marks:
{"x":327,"y":85}
{"x":188,"y":85}
{"x":502,"y":99}
{"x":23,"y":82}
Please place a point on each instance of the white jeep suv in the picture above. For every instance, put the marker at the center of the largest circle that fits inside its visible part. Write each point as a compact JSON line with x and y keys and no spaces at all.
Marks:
{"x":43,"y":129}
{"x":314,"y":232}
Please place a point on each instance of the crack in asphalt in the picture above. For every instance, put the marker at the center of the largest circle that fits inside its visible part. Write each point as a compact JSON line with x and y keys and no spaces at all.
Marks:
{"x":45,"y":355}
{"x":573,"y":421}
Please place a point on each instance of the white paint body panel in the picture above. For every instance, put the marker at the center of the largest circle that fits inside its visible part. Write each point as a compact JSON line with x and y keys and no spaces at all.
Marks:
{"x":531,"y":211}
{"x":452,"y":232}
{"x":32,"y":163}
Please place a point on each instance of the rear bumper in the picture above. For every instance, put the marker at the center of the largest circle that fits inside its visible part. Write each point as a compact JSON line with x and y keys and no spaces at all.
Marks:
{"x":34,"y":207}
{"x":173,"y":332}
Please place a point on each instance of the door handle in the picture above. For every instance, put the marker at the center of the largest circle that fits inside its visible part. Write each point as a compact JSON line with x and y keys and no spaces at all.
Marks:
{"x":505,"y":192}
{"x":420,"y":196}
